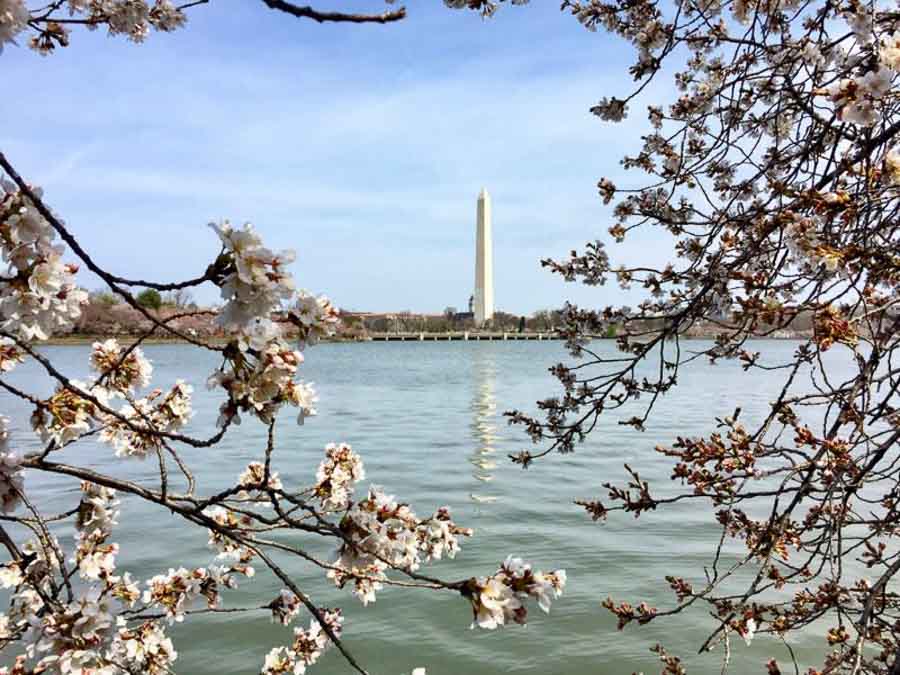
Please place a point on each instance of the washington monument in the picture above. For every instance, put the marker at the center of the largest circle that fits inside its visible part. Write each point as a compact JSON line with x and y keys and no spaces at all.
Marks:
{"x":484,"y":262}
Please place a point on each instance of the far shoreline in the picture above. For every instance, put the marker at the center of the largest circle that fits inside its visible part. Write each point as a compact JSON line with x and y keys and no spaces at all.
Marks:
{"x":82,"y":340}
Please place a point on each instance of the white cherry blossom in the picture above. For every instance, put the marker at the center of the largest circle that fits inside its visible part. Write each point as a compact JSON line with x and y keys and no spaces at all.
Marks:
{"x":120,"y":372}
{"x":12,"y":480}
{"x":14,"y":18}
{"x":258,"y":280}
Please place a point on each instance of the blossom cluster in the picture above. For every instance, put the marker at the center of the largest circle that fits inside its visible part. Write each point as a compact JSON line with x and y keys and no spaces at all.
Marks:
{"x":138,"y":433}
{"x":806,"y":244}
{"x":38,"y":295}
{"x":121,"y":371}
{"x":501,"y":597}
{"x":146,"y":647}
{"x":337,"y":474}
{"x":314,"y":316}
{"x":381,"y":533}
{"x":255,"y":481}
{"x":260,"y":381}
{"x":259,"y":374}
{"x":12,"y":482}
{"x":73,"y":638}
{"x":177,"y":590}
{"x":857,"y":98}
{"x":97,"y":514}
{"x":10,"y":355}
{"x":486,"y":7}
{"x":307,"y":647}
{"x":226,"y":546}
{"x":256,"y":280}
{"x":68,"y":413}
{"x":133,"y":18}
{"x":14,"y":18}
{"x":98,"y":510}
{"x":285,"y":607}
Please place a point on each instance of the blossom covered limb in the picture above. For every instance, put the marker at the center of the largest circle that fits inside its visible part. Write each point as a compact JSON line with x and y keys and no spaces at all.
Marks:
{"x":774,"y":172}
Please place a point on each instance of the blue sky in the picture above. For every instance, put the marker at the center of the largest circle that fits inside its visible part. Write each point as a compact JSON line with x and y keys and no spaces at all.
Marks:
{"x":361,"y":147}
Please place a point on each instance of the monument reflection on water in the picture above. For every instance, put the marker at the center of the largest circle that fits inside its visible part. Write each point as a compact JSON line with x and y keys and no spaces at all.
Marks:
{"x":484,"y":424}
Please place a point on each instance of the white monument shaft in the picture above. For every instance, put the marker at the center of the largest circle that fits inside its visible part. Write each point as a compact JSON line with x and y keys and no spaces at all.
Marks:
{"x":484,"y":261}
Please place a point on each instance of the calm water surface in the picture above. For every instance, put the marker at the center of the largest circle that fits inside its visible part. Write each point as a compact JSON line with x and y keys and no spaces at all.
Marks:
{"x":427,"y":420}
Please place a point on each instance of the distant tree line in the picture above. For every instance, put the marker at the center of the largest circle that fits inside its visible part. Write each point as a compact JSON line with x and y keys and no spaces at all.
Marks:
{"x":149,"y":298}
{"x":545,"y":320}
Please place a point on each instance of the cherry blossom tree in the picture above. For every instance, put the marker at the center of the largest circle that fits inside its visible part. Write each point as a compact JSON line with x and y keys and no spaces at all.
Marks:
{"x":773,"y":171}
{"x":73,"y":609}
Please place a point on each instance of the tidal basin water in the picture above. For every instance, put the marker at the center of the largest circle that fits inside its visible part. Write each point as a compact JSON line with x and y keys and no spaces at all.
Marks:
{"x":427,"y":420}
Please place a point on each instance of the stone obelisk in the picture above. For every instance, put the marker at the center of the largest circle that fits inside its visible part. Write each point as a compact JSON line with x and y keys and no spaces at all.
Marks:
{"x":484,"y":261}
